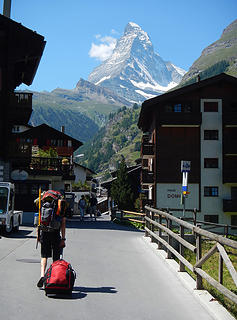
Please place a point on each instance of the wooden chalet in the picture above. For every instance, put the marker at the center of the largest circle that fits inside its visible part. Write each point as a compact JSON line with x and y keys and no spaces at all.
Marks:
{"x":196,"y":123}
{"x":31,"y":171}
{"x":20,"y":54}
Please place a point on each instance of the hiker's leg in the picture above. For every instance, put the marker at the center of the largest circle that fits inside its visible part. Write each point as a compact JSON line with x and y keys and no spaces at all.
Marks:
{"x":43,"y":266}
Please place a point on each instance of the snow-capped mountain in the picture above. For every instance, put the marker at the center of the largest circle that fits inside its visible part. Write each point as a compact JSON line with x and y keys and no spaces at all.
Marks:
{"x":134,"y":71}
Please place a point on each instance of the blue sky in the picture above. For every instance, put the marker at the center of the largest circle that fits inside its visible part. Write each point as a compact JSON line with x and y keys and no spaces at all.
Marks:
{"x":80,"y":33}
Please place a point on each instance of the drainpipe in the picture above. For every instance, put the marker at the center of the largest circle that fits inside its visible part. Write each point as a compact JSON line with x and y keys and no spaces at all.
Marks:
{"x":7,"y":8}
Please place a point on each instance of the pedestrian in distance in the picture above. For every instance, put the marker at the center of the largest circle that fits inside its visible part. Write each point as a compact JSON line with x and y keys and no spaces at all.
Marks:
{"x":93,"y":206}
{"x":82,"y":207}
{"x":51,"y":229}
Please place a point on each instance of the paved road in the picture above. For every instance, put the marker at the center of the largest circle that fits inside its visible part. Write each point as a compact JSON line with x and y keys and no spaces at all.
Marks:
{"x":118,"y":277}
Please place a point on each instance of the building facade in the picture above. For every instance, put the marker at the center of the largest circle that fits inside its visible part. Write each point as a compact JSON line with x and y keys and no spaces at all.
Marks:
{"x":196,"y":123}
{"x":20,"y":54}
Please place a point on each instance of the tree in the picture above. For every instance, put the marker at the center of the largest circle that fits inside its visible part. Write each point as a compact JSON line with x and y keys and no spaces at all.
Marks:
{"x":121,"y":190}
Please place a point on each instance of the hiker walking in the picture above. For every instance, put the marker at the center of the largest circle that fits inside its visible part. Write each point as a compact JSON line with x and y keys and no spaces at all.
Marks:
{"x":93,"y":206}
{"x":51,"y":230}
{"x":82,"y":206}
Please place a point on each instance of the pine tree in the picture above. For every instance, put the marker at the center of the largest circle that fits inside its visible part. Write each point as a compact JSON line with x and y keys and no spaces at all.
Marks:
{"x":121,"y":190}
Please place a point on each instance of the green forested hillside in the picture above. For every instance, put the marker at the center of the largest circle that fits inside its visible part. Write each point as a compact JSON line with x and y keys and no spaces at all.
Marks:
{"x":76,"y":125}
{"x":220,"y":56}
{"x":120,"y":136}
{"x":82,"y":119}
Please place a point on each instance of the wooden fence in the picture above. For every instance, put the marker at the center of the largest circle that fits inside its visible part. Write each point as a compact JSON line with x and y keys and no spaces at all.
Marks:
{"x":155,"y":229}
{"x":123,"y":216}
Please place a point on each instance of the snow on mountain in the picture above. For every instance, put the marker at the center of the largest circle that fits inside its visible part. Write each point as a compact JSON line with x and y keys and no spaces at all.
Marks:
{"x":134,"y":71}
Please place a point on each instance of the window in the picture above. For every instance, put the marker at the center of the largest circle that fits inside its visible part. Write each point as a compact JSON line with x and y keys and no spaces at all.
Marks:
{"x":210,"y":191}
{"x":210,"y":162}
{"x":210,"y":134}
{"x":211,"y":218}
{"x":177,"y":107}
{"x":210,"y":106}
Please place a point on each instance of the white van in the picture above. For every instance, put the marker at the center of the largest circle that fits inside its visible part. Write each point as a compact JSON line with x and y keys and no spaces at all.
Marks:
{"x":10,"y":219}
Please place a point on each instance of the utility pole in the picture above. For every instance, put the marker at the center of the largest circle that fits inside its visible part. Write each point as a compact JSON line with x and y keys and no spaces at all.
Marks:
{"x":7,"y":8}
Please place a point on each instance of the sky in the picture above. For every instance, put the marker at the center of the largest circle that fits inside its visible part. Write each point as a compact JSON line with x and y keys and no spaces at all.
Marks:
{"x":80,"y":34}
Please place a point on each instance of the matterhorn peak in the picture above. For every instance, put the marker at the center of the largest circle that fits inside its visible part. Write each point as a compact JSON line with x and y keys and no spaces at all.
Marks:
{"x":132,"y":27}
{"x":134,"y":71}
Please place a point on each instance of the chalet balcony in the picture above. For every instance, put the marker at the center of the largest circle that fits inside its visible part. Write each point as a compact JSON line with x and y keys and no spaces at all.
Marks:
{"x":61,"y":151}
{"x":147,"y":177}
{"x":179,"y":118}
{"x":147,"y":150}
{"x":51,"y":167}
{"x":229,"y":118}
{"x":230,"y":205}
{"x":20,"y":107}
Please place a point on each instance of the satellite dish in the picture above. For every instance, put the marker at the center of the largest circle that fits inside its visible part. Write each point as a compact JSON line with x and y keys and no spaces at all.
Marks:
{"x":19,"y":175}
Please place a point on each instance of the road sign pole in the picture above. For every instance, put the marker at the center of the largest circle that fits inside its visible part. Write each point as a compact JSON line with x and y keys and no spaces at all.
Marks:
{"x":185,"y":168}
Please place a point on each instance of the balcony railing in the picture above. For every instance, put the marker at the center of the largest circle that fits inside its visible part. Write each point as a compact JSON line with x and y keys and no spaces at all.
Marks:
{"x":179,"y":118}
{"x":21,"y":99}
{"x":20,"y":106}
{"x":51,"y":166}
{"x":230,"y":205}
{"x":147,"y":177}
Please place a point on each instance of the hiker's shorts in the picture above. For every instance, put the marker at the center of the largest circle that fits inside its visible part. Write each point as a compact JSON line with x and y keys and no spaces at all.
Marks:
{"x":50,"y":244}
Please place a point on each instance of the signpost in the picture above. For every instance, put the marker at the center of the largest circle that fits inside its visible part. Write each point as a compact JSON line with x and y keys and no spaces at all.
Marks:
{"x":185,"y":169}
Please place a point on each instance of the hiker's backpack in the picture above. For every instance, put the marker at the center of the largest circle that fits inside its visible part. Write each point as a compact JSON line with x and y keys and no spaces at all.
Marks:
{"x":59,"y":278}
{"x":52,"y":207}
{"x":49,"y":221}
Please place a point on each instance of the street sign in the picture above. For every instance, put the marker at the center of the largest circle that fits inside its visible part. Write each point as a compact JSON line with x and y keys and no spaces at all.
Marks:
{"x":185,"y":166}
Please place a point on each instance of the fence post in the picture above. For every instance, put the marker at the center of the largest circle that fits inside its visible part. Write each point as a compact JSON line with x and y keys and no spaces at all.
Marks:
{"x":169,"y":226}
{"x":146,"y":223}
{"x":160,"y":232}
{"x":194,"y":216}
{"x":152,"y":225}
{"x":181,"y":250}
{"x":220,"y":276}
{"x":226,"y":230}
{"x":199,"y":285}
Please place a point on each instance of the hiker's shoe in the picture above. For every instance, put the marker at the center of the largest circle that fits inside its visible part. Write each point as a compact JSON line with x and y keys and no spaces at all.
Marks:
{"x":40,"y":282}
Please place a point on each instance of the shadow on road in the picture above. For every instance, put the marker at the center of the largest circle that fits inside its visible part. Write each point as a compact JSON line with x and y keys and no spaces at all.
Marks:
{"x":102,"y":223}
{"x":81,"y":292}
{"x":96,"y":289}
{"x":26,"y":234}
